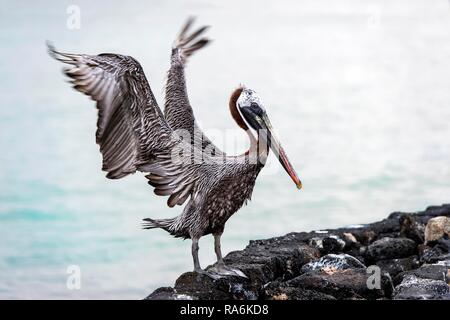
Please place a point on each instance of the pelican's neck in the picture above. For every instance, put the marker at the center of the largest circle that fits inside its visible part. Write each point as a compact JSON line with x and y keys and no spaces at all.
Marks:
{"x":256,"y":152}
{"x":253,"y":140}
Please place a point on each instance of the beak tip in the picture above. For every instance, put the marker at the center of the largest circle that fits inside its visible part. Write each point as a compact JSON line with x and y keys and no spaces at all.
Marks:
{"x":299,"y":185}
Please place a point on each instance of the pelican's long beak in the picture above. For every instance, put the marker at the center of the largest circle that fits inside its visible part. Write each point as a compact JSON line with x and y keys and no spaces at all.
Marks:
{"x":268,"y":135}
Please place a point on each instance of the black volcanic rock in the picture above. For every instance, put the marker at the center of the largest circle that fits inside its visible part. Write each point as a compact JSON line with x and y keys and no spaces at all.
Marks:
{"x":390,"y":248}
{"x":281,"y":291}
{"x":412,"y":228}
{"x":396,"y":266}
{"x":427,"y":271}
{"x":342,"y":284}
{"x":331,"y":264}
{"x":266,"y":260}
{"x":439,"y":251}
{"x":414,"y":288}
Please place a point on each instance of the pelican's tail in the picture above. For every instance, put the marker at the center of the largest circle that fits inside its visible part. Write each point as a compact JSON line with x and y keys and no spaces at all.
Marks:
{"x":150,"y":223}
{"x":188,"y":42}
{"x":165,"y":224}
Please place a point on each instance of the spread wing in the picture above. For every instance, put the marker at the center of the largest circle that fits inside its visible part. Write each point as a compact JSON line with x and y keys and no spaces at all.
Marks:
{"x":131,"y":130}
{"x":130,"y":125}
{"x":177,"y":109}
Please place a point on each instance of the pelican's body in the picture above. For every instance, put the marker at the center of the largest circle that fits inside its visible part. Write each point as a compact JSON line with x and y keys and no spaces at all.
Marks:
{"x":222,"y":194}
{"x":134,"y":135}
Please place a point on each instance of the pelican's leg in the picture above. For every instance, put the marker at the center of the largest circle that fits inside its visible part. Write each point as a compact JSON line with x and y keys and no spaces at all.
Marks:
{"x":197,"y":267}
{"x":218,"y":250}
{"x":220,"y":267}
{"x":195,"y":248}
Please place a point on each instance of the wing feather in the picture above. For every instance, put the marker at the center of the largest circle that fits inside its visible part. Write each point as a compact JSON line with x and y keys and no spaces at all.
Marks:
{"x":177,"y":109}
{"x":130,"y":125}
{"x":131,"y":130}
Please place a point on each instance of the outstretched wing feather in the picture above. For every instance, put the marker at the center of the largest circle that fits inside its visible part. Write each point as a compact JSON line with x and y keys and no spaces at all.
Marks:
{"x":131,"y":130}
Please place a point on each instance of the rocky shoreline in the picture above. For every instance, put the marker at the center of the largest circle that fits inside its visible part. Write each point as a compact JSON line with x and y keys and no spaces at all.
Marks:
{"x":405,"y":256}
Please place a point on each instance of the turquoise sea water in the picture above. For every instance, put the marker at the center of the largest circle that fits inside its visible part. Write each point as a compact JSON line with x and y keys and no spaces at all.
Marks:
{"x":357,"y":90}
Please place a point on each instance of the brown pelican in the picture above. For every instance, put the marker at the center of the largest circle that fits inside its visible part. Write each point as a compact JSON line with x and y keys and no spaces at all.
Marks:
{"x":134,"y":135}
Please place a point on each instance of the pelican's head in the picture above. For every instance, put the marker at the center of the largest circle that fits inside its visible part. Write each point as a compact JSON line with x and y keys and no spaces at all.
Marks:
{"x":252,"y":114}
{"x":251,"y":108}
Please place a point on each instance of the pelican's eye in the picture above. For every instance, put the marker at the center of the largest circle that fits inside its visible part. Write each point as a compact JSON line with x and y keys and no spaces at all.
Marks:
{"x":256,"y":108}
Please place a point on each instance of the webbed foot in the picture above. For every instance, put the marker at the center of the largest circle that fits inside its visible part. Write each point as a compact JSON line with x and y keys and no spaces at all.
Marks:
{"x":222,"y":270}
{"x":208,"y":273}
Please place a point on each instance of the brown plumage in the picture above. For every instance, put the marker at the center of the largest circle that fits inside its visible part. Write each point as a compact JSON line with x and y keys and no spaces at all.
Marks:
{"x":134,"y":135}
{"x":233,"y":108}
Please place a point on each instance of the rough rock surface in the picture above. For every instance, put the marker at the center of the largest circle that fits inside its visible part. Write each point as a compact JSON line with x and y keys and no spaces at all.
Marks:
{"x":334,"y":262}
{"x":414,"y":288}
{"x":390,"y":248}
{"x":397,"y":266}
{"x":382,"y":260}
{"x":342,"y":284}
